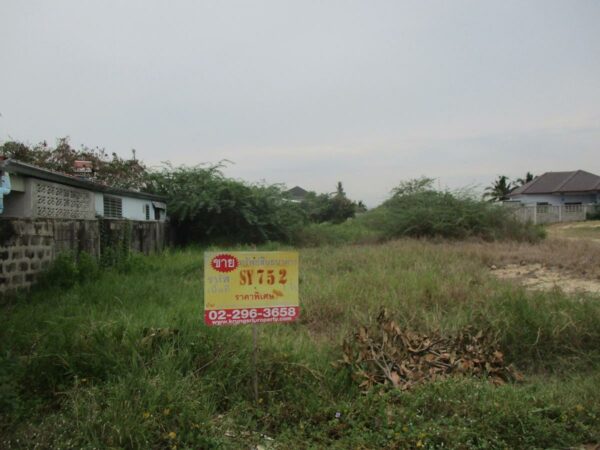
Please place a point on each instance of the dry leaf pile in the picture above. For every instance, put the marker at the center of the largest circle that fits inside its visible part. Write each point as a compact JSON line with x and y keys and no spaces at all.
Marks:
{"x":386,"y":354}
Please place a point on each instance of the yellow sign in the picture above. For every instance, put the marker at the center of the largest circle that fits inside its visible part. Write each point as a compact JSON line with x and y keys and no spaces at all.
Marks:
{"x":250,"y":287}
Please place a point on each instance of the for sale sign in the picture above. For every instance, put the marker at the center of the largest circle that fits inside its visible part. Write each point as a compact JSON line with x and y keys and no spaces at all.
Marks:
{"x":250,"y":287}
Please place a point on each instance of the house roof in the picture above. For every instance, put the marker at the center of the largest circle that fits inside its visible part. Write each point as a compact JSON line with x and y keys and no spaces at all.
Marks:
{"x":297,"y":192}
{"x":560,"y":183}
{"x":18,"y":167}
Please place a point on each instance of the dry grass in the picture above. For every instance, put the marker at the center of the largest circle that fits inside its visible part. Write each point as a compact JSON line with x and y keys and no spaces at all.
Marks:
{"x":580,"y":258}
{"x":76,"y":370}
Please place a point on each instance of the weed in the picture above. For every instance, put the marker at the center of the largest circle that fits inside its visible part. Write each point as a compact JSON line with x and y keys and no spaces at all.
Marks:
{"x":123,"y":360}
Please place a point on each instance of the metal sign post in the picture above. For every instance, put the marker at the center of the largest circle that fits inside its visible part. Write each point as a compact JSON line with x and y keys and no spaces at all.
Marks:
{"x":255,"y":361}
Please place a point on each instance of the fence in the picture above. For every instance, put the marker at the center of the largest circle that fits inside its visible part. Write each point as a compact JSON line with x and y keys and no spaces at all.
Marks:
{"x":28,"y":246}
{"x":541,"y":214}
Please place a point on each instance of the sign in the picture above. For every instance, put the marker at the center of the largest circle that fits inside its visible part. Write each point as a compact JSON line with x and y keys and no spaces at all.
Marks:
{"x":250,"y":287}
{"x":83,"y":169}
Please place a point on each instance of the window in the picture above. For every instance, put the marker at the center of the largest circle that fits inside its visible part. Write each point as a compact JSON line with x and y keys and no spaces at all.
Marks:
{"x":113,"y":207}
{"x":147,"y":210}
{"x":158,"y":207}
{"x":542,"y":207}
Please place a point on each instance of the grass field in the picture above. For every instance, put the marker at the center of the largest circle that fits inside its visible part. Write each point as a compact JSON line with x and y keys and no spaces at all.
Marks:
{"x":88,"y":367}
{"x":588,"y":230}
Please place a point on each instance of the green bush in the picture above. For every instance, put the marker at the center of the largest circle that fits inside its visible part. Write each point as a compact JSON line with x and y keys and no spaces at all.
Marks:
{"x":594,"y":214}
{"x":61,"y":273}
{"x":87,"y":267}
{"x":67,"y":270}
{"x":205,"y":206}
{"x":446,"y":214}
{"x":415,"y":209}
{"x":334,"y":208}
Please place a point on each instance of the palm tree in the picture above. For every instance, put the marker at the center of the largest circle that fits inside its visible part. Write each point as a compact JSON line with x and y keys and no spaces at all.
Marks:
{"x":499,"y":190}
{"x":528,"y":177}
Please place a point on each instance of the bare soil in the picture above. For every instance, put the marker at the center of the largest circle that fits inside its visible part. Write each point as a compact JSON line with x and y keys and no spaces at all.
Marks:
{"x":538,"y":277}
{"x":569,"y":259}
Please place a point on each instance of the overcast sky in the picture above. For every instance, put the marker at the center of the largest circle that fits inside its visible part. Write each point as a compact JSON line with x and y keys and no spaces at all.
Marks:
{"x":311,"y":92}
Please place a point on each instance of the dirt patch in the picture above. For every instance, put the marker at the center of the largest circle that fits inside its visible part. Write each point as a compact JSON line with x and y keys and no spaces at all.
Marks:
{"x":538,"y":277}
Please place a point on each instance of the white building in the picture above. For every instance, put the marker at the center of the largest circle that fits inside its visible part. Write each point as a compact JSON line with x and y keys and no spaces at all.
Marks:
{"x":41,"y":193}
{"x":559,"y":188}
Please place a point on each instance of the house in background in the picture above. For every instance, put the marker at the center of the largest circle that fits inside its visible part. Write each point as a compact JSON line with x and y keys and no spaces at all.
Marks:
{"x":296,"y":194}
{"x":559,"y":189}
{"x":43,"y":194}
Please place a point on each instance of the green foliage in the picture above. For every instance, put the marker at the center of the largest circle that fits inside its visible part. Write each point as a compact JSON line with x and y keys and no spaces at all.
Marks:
{"x":62,"y":273}
{"x":355,"y":231}
{"x":416,"y":209}
{"x":413,"y":186}
{"x":528,"y":177}
{"x":87,"y":267}
{"x":205,"y":206}
{"x":115,"y":242}
{"x":499,"y":190}
{"x":333,"y":208}
{"x":594,"y":213}
{"x":108,"y":169}
{"x":430,"y":213}
{"x":67,"y":270}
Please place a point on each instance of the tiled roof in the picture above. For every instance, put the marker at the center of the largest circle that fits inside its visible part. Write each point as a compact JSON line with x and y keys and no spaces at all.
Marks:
{"x":560,"y":182}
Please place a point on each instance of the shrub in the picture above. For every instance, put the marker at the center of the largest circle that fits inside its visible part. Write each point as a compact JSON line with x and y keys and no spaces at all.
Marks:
{"x":67,"y":270}
{"x":430,"y":213}
{"x":333,"y":208}
{"x":205,"y":206}
{"x":87,"y":267}
{"x":62,"y":273}
{"x":415,"y":209}
{"x":594,"y":214}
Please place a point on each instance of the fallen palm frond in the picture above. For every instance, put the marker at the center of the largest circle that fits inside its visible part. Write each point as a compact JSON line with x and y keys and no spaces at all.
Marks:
{"x":386,"y":354}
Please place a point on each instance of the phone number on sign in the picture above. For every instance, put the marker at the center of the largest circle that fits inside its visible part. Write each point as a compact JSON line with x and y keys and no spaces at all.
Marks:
{"x":251,"y":315}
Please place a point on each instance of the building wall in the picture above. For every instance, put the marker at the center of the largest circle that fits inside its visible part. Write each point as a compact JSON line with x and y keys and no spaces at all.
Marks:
{"x":33,"y":198}
{"x":133,"y":208}
{"x":555,"y":199}
{"x":28,"y":246}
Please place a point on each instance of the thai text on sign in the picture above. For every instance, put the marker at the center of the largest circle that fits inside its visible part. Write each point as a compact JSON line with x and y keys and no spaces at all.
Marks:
{"x":250,"y":287}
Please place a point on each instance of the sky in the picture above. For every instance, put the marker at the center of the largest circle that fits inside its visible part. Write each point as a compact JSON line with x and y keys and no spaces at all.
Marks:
{"x":309,"y":93}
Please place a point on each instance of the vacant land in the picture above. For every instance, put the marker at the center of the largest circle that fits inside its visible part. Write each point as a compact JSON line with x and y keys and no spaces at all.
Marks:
{"x":568,"y":260}
{"x":589,"y":230}
{"x":125,"y":361}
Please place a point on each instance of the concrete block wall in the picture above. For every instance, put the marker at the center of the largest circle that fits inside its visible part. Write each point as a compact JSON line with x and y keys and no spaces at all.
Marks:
{"x":28,"y":246}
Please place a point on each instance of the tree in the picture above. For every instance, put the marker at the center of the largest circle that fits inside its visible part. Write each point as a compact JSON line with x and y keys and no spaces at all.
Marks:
{"x":108,"y":169}
{"x":413,"y":186}
{"x":335,"y":207}
{"x":361,"y":207}
{"x":340,"y":206}
{"x":499,"y":190}
{"x":528,"y":177}
{"x":206,"y":206}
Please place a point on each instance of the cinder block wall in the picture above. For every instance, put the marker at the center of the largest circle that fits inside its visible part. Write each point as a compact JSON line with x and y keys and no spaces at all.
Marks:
{"x":27,"y":246}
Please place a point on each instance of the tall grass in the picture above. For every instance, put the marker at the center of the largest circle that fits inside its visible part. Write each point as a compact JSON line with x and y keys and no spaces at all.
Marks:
{"x":125,"y":361}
